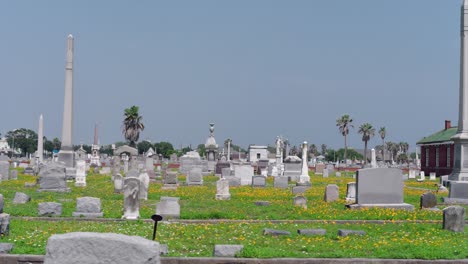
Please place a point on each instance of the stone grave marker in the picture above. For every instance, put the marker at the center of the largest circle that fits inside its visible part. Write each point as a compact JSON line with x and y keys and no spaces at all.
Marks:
{"x":380,"y":187}
{"x":226,"y":172}
{"x":338,"y":174}
{"x":428,"y":200}
{"x":93,"y":248}
{"x":4,"y":170}
{"x":195,"y":177}
{"x":325,"y":173}
{"x":13,"y":175}
{"x":227,"y":251}
{"x":80,"y":179}
{"x":233,"y":181}
{"x":131,"y":198}
{"x":4,"y":224}
{"x":144,"y":185}
{"x":2,"y":203}
{"x":258,"y":181}
{"x":454,"y":219}
{"x":118,"y":183}
{"x":21,"y":198}
{"x":88,"y":207}
{"x":412,"y":174}
{"x":300,"y":201}
{"x":52,"y":178}
{"x":49,"y":209}
{"x":299,"y":189}
{"x":432,"y":176}
{"x":244,"y":173}
{"x":222,"y":189}
{"x":351,"y":192}
{"x":319,"y":168}
{"x":281,"y":182}
{"x":331,"y":193}
{"x":168,"y":208}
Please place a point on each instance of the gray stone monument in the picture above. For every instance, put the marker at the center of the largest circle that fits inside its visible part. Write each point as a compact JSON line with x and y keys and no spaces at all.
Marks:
{"x":258,"y":181}
{"x":49,"y":209}
{"x":118,"y":183}
{"x":80,"y":179}
{"x":454,"y":219}
{"x":300,"y":201}
{"x":168,"y":208}
{"x":144,"y":185}
{"x":379,"y":187}
{"x":40,"y":140}
{"x":351,"y":192}
{"x":331,"y":193}
{"x":195,"y":177}
{"x":66,"y":154}
{"x":304,"y":177}
{"x":4,"y":170}
{"x":52,"y":178}
{"x":281,"y":182}
{"x":131,"y":199}
{"x":222,"y":189}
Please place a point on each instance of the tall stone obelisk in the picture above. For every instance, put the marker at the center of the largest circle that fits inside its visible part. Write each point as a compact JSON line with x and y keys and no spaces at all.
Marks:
{"x":304,"y":178}
{"x":40,"y":140}
{"x":66,"y":153}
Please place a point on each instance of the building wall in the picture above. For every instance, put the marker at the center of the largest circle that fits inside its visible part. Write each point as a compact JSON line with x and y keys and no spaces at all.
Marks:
{"x":429,"y":164}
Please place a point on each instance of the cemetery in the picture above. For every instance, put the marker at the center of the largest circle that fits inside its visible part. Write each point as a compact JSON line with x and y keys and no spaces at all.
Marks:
{"x":143,"y":202}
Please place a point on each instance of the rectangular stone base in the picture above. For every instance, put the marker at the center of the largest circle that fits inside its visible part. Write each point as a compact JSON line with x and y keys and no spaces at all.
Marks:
{"x":223,"y":196}
{"x":447,"y":200}
{"x":87,"y":215}
{"x":169,"y":187}
{"x":80,"y":184}
{"x":403,"y":206}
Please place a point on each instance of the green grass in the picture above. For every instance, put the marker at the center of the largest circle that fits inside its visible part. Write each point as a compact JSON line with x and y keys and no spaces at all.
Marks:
{"x":390,"y":240}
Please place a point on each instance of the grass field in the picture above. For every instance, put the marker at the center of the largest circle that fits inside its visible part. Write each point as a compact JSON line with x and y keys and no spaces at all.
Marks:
{"x":424,"y":240}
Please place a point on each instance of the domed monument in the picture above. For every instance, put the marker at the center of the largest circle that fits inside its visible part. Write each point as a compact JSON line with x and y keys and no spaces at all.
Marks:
{"x":211,"y":146}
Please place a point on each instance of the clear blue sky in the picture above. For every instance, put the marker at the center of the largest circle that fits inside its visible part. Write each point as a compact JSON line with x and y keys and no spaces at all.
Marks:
{"x":257,"y":69}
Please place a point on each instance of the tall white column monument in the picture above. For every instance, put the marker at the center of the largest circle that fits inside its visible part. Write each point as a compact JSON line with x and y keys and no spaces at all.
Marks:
{"x":304,"y":178}
{"x":66,"y":153}
{"x":40,"y":140}
{"x":460,"y":168}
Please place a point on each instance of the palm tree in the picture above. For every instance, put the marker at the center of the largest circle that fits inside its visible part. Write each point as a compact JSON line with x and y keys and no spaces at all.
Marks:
{"x":344,"y":123}
{"x":382,"y":133}
{"x":132,"y":125}
{"x":367,"y":132}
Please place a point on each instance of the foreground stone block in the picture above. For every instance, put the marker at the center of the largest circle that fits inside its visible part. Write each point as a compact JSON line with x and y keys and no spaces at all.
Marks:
{"x":274,"y":232}
{"x":168,"y":208}
{"x":5,"y":248}
{"x":21,"y":198}
{"x":49,"y":209}
{"x":344,"y":232}
{"x":52,"y":178}
{"x":96,"y":248}
{"x":227,"y":251}
{"x":428,"y":200}
{"x":331,"y":193}
{"x":454,"y":219}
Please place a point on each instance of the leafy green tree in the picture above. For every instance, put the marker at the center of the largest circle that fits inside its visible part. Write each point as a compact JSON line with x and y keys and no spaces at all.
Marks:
{"x":23,"y":139}
{"x":367,"y":131}
{"x":313,"y":150}
{"x":132,"y":125}
{"x":107,"y":149}
{"x":324,"y":149}
{"x":185,"y":150}
{"x":57,"y":143}
{"x":344,"y":123}
{"x":383,"y":133}
{"x":143,"y":146}
{"x":333,"y":155}
{"x":164,"y":148}
{"x":201,"y":150}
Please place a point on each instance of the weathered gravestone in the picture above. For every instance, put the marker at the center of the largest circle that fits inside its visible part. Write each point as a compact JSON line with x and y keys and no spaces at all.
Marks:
{"x":195,"y":177}
{"x":281,"y":182}
{"x":379,"y":187}
{"x":454,"y":219}
{"x":351,"y":192}
{"x":244,"y":172}
{"x":293,"y":170}
{"x":28,"y":171}
{"x":168,"y":208}
{"x":338,"y":174}
{"x":2,"y":202}
{"x":80,"y":179}
{"x":88,"y":207}
{"x":226,"y":172}
{"x":144,"y":185}
{"x":105,"y":170}
{"x":458,"y":193}
{"x":49,"y":209}
{"x":432,"y":176}
{"x":52,"y":178}
{"x":331,"y":193}
{"x":428,"y":200}
{"x":5,"y":248}
{"x":222,"y":189}
{"x":312,"y":232}
{"x":319,"y":168}
{"x":118,"y":183}
{"x":299,"y":189}
{"x":4,"y":224}
{"x":21,"y":198}
{"x":220,"y":166}
{"x":227,"y":251}
{"x":131,"y":198}
{"x":412,"y":174}
{"x":13,"y":175}
{"x":233,"y":181}
{"x":258,"y":181}
{"x":95,"y":248}
{"x":325,"y":173}
{"x":4,"y":170}
{"x":300,"y":201}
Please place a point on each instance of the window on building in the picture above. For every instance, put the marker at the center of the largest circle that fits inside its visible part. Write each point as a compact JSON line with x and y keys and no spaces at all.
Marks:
{"x":258,"y":155}
{"x":437,"y":156}
{"x":448,"y":157}
{"x":427,"y":157}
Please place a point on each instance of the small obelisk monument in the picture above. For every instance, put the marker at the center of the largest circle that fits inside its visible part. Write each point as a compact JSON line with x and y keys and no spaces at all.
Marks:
{"x":460,"y":168}
{"x":40,"y":140}
{"x":66,"y":154}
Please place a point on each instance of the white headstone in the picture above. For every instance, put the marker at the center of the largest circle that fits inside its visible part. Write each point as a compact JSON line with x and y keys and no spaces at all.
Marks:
{"x":80,"y":179}
{"x":222,"y":189}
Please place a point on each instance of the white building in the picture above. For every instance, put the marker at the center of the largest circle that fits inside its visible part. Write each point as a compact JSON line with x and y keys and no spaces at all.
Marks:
{"x":257,"y":153}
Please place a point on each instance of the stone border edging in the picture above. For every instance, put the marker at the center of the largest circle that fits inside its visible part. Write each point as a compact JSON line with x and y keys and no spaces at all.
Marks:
{"x":39,"y":259}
